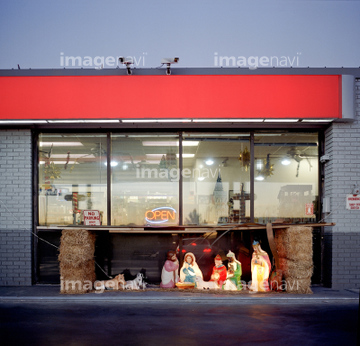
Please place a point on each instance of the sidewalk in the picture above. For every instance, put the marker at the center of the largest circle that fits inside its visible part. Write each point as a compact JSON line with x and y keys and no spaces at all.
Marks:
{"x":52,"y":293}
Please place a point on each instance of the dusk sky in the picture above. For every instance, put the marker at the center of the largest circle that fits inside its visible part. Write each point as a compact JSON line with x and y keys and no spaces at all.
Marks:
{"x":207,"y":33}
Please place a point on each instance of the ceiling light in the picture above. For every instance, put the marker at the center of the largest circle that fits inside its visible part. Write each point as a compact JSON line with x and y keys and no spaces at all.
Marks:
{"x":186,"y":156}
{"x":169,"y":143}
{"x":281,"y":120}
{"x":259,"y":178}
{"x":61,"y":144}
{"x":209,"y":162}
{"x":285,"y":161}
{"x":23,"y":121}
{"x":112,"y":163}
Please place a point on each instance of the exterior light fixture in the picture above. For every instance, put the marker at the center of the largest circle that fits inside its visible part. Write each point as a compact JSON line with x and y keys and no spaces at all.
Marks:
{"x":168,"y":62}
{"x":128,"y":61}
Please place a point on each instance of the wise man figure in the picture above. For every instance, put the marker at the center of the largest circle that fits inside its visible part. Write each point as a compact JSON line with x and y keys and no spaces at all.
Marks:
{"x":219,"y":272}
{"x":233,"y":281}
{"x":260,"y":269}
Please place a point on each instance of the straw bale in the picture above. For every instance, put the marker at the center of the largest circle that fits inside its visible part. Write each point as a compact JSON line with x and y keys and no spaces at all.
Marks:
{"x":75,"y":255}
{"x":294,"y":243}
{"x":296,"y":269}
{"x":298,"y":286}
{"x":77,"y":280}
{"x":77,"y":265}
{"x":77,"y":237}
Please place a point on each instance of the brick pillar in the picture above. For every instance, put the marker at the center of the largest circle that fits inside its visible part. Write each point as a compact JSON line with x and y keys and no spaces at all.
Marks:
{"x":342,"y":172}
{"x":16,"y":207}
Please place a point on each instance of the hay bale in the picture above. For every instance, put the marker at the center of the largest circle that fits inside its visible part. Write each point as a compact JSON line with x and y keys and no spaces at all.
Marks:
{"x":77,"y":280}
{"x":77,"y":237}
{"x":296,"y":269}
{"x":294,"y":247}
{"x":294,"y":243}
{"x":77,"y":265}
{"x":76,"y":255}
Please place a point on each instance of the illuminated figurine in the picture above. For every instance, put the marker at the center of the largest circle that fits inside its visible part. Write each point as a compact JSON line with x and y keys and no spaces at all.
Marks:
{"x":190,"y":269}
{"x":169,"y":274}
{"x":233,"y":280}
{"x":219,"y":272}
{"x":260,"y":269}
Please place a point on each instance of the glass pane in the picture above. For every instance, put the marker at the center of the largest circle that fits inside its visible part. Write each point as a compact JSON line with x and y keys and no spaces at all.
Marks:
{"x":145,"y":180}
{"x":216,"y":171}
{"x":286,"y":176}
{"x":72,"y":177}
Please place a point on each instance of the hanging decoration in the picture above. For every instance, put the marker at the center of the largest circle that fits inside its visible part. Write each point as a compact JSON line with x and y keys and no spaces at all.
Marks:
{"x":244,"y":158}
{"x":52,"y":171}
{"x":268,"y":169}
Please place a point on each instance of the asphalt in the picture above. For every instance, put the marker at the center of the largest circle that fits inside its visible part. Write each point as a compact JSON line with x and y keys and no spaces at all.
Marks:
{"x":52,"y":293}
{"x":40,"y":315}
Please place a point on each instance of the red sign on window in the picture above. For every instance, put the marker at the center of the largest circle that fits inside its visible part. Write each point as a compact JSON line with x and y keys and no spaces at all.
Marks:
{"x":92,"y":217}
{"x":309,"y":209}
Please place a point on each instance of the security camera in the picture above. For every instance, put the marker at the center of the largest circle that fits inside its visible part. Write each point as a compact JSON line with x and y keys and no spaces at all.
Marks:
{"x":127,"y":62}
{"x":324,"y":158}
{"x":169,"y":60}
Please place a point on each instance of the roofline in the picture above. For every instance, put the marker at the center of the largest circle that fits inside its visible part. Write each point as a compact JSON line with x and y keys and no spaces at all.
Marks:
{"x":354,"y":71}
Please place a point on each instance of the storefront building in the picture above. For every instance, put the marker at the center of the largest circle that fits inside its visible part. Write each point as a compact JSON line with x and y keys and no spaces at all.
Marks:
{"x":156,"y":162}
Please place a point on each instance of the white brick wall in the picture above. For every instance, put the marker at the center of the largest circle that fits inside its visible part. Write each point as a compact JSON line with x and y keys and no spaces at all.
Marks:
{"x":15,"y":207}
{"x":342,"y":172}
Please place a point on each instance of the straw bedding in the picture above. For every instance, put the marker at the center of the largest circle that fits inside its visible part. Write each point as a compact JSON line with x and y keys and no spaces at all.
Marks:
{"x":77,"y":265}
{"x":294,"y":247}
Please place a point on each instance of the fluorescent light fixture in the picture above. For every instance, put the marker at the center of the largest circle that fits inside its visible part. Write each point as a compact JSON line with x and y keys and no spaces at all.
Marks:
{"x":155,"y":156}
{"x":65,"y":121}
{"x":281,"y":120}
{"x":247,"y":120}
{"x":101,"y":121}
{"x":226,"y":120}
{"x":317,"y":120}
{"x":60,"y":162}
{"x":23,"y":122}
{"x":259,"y":164}
{"x":169,"y":143}
{"x":186,"y":156}
{"x":259,"y":178}
{"x":156,"y":121}
{"x":61,"y":144}
{"x":140,"y":121}
{"x":73,"y":156}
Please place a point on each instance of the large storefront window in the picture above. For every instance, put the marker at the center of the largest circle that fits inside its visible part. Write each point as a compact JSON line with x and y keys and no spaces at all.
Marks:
{"x":216,"y":178}
{"x":286,"y":177}
{"x":186,"y":178}
{"x":145,"y":180}
{"x":72,"y":177}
